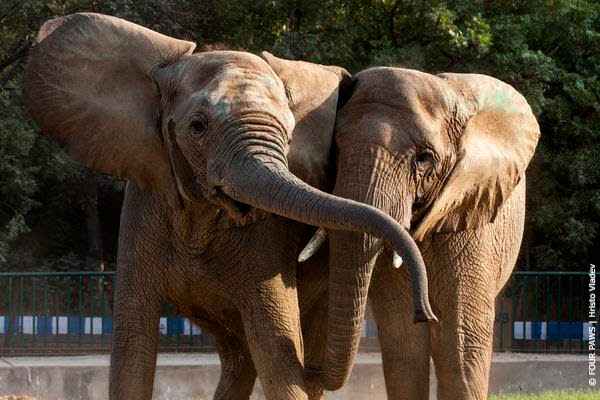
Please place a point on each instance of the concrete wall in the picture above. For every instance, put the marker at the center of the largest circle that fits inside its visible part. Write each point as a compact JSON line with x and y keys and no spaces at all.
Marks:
{"x":195,"y":376}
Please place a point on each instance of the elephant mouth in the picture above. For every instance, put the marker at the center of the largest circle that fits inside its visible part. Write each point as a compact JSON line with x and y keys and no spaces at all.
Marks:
{"x":236,"y":209}
{"x":193,"y":190}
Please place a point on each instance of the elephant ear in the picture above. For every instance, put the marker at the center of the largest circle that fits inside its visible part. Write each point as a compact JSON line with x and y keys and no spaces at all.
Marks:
{"x":88,"y":84}
{"x":497,"y":141}
{"x":314,"y":94}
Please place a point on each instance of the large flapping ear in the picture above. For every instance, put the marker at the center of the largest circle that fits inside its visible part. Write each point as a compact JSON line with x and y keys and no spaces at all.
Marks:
{"x":88,"y":84}
{"x":494,"y":148}
{"x":313,"y":92}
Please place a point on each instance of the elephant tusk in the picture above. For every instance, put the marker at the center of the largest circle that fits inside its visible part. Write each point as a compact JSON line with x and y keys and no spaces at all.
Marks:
{"x":377,"y":247}
{"x":397,"y":261}
{"x":321,"y":235}
{"x":313,"y":245}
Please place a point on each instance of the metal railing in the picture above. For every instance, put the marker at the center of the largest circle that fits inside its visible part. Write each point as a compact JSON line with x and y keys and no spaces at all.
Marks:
{"x":58,"y":312}
{"x":543,"y":312}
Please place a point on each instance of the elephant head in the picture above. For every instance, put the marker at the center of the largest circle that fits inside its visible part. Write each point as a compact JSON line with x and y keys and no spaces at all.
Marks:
{"x":208,"y":127}
{"x":437,"y":153}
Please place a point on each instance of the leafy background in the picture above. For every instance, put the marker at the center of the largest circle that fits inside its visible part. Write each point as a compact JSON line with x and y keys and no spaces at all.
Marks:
{"x":57,"y":215}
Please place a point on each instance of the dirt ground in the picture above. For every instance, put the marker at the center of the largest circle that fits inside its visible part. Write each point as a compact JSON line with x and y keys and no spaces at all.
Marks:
{"x":11,"y":397}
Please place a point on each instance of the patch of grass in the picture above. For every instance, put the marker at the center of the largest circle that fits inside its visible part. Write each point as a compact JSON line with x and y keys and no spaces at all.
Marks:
{"x":554,"y":395}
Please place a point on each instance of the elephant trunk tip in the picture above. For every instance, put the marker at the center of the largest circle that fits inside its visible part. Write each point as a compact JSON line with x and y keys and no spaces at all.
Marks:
{"x":317,"y":375}
{"x":424,"y":315}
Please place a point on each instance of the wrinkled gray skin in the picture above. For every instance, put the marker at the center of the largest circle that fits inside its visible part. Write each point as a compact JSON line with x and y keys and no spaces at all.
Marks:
{"x":445,"y":156}
{"x":206,"y":140}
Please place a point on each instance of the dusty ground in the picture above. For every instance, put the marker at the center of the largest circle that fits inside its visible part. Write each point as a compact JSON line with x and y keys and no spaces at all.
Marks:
{"x":11,"y":397}
{"x":194,"y":376}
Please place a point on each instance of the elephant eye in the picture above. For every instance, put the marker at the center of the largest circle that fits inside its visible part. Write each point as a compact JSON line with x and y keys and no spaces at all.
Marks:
{"x":198,"y":126}
{"x":424,"y":157}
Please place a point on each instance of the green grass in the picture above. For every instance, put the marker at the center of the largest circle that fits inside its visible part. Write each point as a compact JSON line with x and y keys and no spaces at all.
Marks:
{"x":561,"y":395}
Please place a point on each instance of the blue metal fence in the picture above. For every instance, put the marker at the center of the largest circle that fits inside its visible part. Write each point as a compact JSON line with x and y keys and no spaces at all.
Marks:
{"x":543,"y":312}
{"x":54,"y":312}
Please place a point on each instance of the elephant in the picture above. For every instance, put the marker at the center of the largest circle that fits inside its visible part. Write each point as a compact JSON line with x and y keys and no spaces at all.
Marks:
{"x":225,"y":152}
{"x":445,"y":155}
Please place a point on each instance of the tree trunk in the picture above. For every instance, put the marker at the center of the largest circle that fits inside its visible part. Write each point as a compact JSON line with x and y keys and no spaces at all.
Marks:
{"x":94,"y":228}
{"x":95,"y":258}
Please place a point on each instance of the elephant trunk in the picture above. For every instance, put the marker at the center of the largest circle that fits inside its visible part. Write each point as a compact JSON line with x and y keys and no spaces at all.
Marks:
{"x":349,"y":278}
{"x":270,"y":186}
{"x":352,"y":258}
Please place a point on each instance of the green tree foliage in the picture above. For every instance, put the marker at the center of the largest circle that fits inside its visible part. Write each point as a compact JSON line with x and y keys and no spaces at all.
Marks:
{"x":548,"y":49}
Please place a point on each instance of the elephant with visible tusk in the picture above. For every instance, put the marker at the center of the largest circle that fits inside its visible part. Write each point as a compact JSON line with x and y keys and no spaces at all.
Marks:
{"x":444,"y":155}
{"x":207,"y":141}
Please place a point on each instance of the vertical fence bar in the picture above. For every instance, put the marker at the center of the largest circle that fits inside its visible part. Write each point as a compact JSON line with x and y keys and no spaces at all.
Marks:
{"x":102,"y":309}
{"x":10,"y":297}
{"x":178,"y":337}
{"x":582,"y":306}
{"x":502,"y":321}
{"x":11,"y":313}
{"x":113,"y":293}
{"x":21,"y":309}
{"x":570,"y":317}
{"x":80,"y":312}
{"x":57,"y":308}
{"x":524,"y":313}
{"x":69,"y":311}
{"x":33,"y":310}
{"x":559,"y":312}
{"x":513,"y":288}
{"x":548,"y":302}
{"x":91,"y":308}
{"x":536,"y":305}
{"x":46,"y":312}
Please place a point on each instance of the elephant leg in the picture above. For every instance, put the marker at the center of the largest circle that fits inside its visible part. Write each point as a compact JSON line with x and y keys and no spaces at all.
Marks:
{"x":314,"y":332}
{"x":313,"y":284}
{"x":467,"y":269}
{"x":404,"y":345}
{"x":464,"y":284}
{"x":135,"y":340}
{"x":462,"y":349}
{"x":237,"y":369}
{"x":272,"y":326}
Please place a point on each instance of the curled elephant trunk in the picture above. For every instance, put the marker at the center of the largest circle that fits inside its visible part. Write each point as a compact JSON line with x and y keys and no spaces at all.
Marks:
{"x":270,"y":186}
